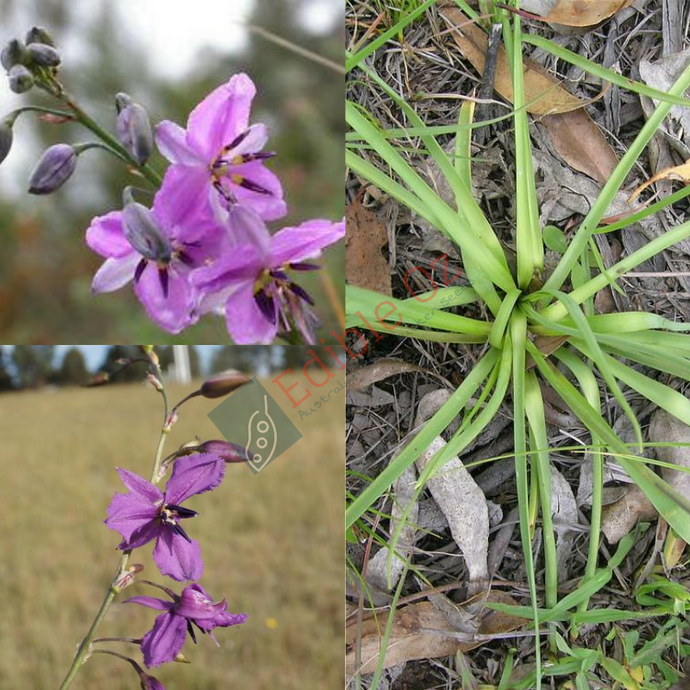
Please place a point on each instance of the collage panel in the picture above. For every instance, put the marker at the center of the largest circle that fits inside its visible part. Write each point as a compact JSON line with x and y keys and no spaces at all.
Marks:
{"x":171,"y":504}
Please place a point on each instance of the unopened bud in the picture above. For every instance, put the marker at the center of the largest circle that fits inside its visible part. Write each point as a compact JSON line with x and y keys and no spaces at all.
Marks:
{"x":38,"y":34}
{"x":21,"y":80}
{"x":53,"y":169}
{"x":122,"y":100}
{"x":180,"y":658}
{"x":135,"y":133}
{"x":154,"y":382}
{"x":98,"y":380}
{"x":14,"y":53}
{"x":43,"y":55}
{"x":230,"y":452}
{"x":150,"y":683}
{"x":222,"y":384}
{"x":143,"y":234}
{"x":6,"y":138}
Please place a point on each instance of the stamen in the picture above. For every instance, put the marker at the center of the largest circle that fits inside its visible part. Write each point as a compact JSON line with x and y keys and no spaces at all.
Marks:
{"x":302,"y":294}
{"x":190,"y":630}
{"x":251,"y":157}
{"x":164,"y":280}
{"x":182,"y":512}
{"x":235,"y":142}
{"x":185,"y":258}
{"x":304,"y":267}
{"x":248,"y":184}
{"x":139,"y":270}
{"x":178,"y":530}
{"x":265,"y":303}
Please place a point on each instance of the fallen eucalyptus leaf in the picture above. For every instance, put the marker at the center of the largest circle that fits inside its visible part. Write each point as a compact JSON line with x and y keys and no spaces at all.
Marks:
{"x":575,"y":12}
{"x":565,"y":514}
{"x":665,"y":428}
{"x":619,"y":518}
{"x":363,"y":377}
{"x":677,"y":172}
{"x":373,"y":398}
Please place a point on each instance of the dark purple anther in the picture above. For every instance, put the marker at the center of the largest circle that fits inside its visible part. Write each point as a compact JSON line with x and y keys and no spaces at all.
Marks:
{"x":265,"y":303}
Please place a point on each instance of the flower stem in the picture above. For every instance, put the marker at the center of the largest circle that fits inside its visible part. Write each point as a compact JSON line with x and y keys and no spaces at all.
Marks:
{"x":85,"y":645}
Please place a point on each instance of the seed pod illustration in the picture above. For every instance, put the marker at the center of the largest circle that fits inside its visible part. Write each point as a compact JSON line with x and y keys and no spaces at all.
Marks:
{"x":262,"y":435}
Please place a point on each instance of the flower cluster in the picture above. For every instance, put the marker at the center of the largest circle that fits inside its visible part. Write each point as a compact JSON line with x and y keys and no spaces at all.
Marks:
{"x":146,"y":514}
{"x":204,"y":245}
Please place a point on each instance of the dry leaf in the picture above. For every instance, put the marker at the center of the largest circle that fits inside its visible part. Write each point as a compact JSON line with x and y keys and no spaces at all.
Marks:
{"x":365,"y":266}
{"x":565,"y":518}
{"x":580,"y":142}
{"x":363,"y":377}
{"x":584,"y":12}
{"x":459,"y":498}
{"x":543,"y":94}
{"x":407,"y":642}
{"x":619,"y":518}
{"x":373,"y":398}
{"x":665,"y":428}
{"x":678,"y":172}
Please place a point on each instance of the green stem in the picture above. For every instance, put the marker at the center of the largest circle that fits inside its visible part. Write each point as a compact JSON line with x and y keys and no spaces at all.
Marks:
{"x":82,"y":652}
{"x":88,"y":122}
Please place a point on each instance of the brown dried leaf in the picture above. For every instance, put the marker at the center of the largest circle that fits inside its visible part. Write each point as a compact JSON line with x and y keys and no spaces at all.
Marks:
{"x":363,"y":377}
{"x":584,"y":12}
{"x":407,"y":642}
{"x":665,"y":428}
{"x":364,"y":263}
{"x":678,"y":172}
{"x":580,"y":142}
{"x":543,"y":94}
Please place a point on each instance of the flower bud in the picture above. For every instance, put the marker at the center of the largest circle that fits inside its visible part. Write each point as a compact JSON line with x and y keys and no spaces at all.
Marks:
{"x":221,"y":384}
{"x":99,"y":379}
{"x":122,"y":100}
{"x":53,"y":169}
{"x":153,"y":380}
{"x":180,"y":658}
{"x":135,"y":133}
{"x":38,"y":34}
{"x":230,"y":452}
{"x":21,"y":80}
{"x":143,"y":234}
{"x":43,"y":55}
{"x":6,"y":138}
{"x":14,"y":53}
{"x":126,"y":578}
{"x":150,"y":683}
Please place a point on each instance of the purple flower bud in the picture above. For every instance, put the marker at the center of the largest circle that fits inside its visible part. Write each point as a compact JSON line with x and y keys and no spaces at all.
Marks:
{"x":135,"y":133}
{"x":6,"y":138}
{"x":150,"y":683}
{"x":230,"y":452}
{"x":122,"y":100}
{"x":54,"y":169}
{"x":14,"y":53}
{"x":38,"y":34}
{"x":143,"y":234}
{"x":221,"y":384}
{"x":21,"y":80}
{"x":43,"y":55}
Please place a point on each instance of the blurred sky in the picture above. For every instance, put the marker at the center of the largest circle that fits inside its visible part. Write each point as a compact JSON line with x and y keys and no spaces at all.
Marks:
{"x":176,"y":39}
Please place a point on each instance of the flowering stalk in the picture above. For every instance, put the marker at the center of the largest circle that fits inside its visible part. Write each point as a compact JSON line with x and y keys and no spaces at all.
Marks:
{"x":114,"y":589}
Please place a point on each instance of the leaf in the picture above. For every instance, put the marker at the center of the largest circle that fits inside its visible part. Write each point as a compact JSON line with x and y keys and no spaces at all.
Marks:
{"x":543,"y":94}
{"x":583,"y":12}
{"x":678,"y":172}
{"x":363,"y":377}
{"x":665,"y":428}
{"x":407,"y":642}
{"x":619,"y":518}
{"x":366,"y":235}
{"x":582,"y":144}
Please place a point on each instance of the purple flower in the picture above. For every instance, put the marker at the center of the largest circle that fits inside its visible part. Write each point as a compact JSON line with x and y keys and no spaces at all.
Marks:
{"x":255,"y":282}
{"x":193,"y":608}
{"x":157,"y":249}
{"x":146,"y":513}
{"x":219,"y":158}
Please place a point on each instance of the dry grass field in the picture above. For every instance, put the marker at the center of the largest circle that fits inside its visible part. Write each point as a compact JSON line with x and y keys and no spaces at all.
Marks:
{"x":272,"y":543}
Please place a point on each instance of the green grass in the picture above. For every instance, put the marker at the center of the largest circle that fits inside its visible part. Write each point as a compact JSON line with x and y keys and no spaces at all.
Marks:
{"x":271,"y":543}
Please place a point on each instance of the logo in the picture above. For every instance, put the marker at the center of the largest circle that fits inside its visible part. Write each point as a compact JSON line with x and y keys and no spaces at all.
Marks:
{"x":253,"y":419}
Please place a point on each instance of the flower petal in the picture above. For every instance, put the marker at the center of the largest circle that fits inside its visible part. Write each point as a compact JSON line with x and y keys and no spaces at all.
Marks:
{"x":257,"y":136}
{"x":106,"y":237}
{"x":183,"y":197}
{"x":195,"y":604}
{"x":221,"y":116}
{"x":142,"y":535}
{"x":240,"y":268}
{"x":178,"y":558}
{"x":306,"y":241}
{"x":173,"y":311}
{"x":194,"y":474}
{"x":164,"y":641}
{"x":140,"y":487}
{"x":115,"y":273}
{"x":172,"y":143}
{"x":151,"y":602}
{"x":246,"y":322}
{"x":127,"y":513}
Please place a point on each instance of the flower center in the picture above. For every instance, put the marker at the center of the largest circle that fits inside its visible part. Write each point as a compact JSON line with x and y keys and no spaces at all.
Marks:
{"x":170,"y":514}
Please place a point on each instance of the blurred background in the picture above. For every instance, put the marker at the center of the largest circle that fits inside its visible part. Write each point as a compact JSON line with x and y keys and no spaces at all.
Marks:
{"x":271,"y":542}
{"x":167,"y":56}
